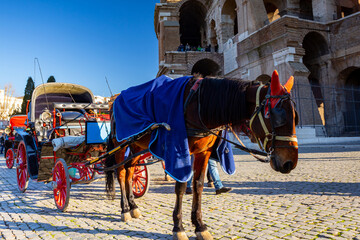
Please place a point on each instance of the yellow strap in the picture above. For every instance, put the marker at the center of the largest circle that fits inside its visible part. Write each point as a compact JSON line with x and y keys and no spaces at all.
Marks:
{"x":267,"y":134}
{"x":285,"y":138}
{"x":253,"y":117}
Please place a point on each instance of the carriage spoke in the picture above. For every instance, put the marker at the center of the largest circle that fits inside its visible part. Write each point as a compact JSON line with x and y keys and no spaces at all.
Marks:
{"x":140,"y":171}
{"x":141,"y":183}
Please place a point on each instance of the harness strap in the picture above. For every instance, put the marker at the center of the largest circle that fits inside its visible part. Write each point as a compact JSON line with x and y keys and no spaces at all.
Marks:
{"x":258,"y":112}
{"x":193,"y":90}
{"x":268,"y":136}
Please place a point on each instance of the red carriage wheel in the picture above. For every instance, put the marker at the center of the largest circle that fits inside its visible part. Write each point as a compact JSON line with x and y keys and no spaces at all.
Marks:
{"x":22,"y":175}
{"x":10,"y":156}
{"x":80,"y":172}
{"x":141,"y":180}
{"x":61,"y":184}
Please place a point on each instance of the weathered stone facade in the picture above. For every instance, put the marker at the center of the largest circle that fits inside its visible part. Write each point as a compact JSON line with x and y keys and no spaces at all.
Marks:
{"x":316,"y":41}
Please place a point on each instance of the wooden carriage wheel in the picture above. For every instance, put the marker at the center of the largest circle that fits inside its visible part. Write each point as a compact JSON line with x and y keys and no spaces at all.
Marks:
{"x":10,"y":156}
{"x":61,"y":184}
{"x":141,"y":180}
{"x":22,"y":175}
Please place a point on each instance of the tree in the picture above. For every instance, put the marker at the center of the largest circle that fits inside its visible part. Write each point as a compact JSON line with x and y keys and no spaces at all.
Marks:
{"x":51,"y":79}
{"x":30,"y":86}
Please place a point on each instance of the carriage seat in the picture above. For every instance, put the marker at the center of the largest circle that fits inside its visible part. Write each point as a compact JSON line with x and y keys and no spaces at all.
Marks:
{"x":72,"y":116}
{"x":67,"y":142}
{"x":72,"y":123}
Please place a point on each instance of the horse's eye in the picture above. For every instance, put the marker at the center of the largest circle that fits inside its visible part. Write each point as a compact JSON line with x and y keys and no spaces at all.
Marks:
{"x":278,"y":117}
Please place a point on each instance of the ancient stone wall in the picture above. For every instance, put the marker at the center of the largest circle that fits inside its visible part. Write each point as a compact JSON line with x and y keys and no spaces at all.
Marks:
{"x":314,"y":40}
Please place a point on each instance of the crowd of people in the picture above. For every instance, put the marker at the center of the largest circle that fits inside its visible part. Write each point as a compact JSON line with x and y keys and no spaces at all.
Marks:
{"x":187,"y":47}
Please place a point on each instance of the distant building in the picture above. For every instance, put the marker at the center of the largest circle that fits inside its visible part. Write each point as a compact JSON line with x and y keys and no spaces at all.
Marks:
{"x":8,"y":104}
{"x":316,"y":41}
{"x":101,"y":99}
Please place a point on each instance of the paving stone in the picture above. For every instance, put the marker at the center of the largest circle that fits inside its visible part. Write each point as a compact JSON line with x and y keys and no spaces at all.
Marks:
{"x":308,"y":203}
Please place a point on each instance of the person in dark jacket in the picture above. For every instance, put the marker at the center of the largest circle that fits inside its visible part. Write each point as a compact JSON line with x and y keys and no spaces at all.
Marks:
{"x":2,"y":143}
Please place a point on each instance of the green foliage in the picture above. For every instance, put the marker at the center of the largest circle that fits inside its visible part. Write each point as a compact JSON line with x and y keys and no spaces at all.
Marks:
{"x":30,"y":86}
{"x":51,"y":79}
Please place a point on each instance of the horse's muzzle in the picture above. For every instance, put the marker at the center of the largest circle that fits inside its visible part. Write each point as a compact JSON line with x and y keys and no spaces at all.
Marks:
{"x":283,"y":168}
{"x":287,"y":167}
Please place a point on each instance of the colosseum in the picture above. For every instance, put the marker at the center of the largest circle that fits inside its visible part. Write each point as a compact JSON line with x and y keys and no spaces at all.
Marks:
{"x":316,"y":41}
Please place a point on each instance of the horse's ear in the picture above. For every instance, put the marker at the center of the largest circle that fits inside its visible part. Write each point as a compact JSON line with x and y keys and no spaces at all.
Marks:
{"x":289,"y":84}
{"x":275,"y":84}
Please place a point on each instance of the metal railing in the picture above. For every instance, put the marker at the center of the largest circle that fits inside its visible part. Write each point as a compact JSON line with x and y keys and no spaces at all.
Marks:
{"x":334,"y":111}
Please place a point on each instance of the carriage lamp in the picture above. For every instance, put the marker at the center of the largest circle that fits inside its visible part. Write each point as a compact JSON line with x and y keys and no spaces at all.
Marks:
{"x":45,"y":116}
{"x":7,"y":130}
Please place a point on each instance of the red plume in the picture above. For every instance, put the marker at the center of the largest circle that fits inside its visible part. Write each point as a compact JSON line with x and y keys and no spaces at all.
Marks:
{"x":276,"y":89}
{"x":275,"y":84}
{"x":289,"y":84}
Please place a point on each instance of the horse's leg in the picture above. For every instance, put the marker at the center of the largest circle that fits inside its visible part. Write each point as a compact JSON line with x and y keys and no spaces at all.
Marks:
{"x":178,"y":230}
{"x":125,"y":208}
{"x":134,"y":210}
{"x":200,"y":163}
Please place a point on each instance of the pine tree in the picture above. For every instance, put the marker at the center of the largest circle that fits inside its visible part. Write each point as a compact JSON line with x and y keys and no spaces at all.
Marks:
{"x":51,"y":79}
{"x":30,"y":86}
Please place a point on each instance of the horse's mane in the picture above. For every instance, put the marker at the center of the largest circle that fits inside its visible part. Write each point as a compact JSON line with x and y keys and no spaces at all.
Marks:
{"x":223,"y":101}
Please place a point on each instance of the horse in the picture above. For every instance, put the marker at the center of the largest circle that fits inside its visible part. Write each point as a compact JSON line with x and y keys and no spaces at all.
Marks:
{"x":267,"y":109}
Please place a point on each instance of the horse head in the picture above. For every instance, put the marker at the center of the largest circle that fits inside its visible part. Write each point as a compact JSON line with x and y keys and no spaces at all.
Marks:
{"x":273,"y":123}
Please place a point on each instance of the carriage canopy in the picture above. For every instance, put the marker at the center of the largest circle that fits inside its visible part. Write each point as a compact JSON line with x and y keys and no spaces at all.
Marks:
{"x":46,"y":94}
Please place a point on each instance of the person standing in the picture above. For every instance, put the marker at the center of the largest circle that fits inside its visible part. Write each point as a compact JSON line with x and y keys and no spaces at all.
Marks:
{"x":2,"y":143}
{"x":214,"y":173}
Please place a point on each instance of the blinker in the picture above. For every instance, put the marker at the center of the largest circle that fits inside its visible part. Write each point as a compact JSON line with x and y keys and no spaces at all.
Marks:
{"x":278,"y":117}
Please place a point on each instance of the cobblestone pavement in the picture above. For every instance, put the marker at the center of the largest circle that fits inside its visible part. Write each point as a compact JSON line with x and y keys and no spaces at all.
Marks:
{"x":320,"y":199}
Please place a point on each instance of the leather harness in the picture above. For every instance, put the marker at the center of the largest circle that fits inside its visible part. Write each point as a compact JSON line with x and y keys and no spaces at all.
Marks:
{"x":269,"y":136}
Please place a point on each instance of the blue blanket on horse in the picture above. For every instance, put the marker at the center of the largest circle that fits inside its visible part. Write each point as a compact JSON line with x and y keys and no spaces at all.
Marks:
{"x":157,"y":101}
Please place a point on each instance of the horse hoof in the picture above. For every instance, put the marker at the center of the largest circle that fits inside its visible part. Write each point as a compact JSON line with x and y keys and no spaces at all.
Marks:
{"x":167,"y":178}
{"x":205,"y":235}
{"x":126,"y":217}
{"x":180,"y":236}
{"x":135,"y":213}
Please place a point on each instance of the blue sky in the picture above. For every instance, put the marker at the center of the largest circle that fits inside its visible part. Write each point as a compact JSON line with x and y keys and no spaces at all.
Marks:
{"x":78,"y":41}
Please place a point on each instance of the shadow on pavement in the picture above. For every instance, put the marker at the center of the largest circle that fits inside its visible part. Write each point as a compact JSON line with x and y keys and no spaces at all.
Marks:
{"x":294,"y":187}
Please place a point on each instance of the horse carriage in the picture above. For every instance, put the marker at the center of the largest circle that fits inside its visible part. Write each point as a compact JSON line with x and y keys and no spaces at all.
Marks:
{"x":199,"y":112}
{"x":65,"y":128}
{"x":16,"y":124}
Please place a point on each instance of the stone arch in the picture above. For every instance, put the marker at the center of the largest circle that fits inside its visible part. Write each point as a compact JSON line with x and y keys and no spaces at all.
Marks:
{"x":273,"y":9}
{"x":213,"y":36}
{"x":306,"y":10}
{"x":206,"y":67}
{"x":315,"y":46}
{"x":346,"y":7}
{"x":351,"y":108}
{"x":264,"y":78}
{"x":192,"y":23}
{"x":229,"y":21}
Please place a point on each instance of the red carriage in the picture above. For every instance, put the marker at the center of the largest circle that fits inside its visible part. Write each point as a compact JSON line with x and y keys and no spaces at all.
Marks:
{"x":65,"y":128}
{"x":16,"y":124}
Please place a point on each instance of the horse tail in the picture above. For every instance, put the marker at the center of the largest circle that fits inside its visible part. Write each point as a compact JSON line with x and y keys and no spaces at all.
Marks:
{"x":109,"y":179}
{"x":110,"y":161}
